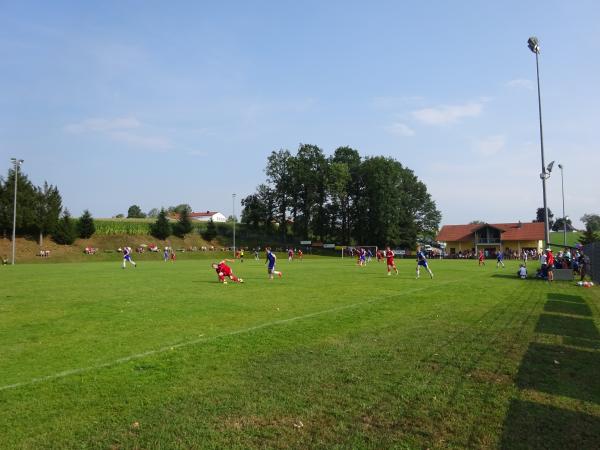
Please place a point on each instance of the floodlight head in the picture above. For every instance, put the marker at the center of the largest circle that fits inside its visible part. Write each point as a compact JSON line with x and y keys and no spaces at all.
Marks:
{"x":533,"y":44}
{"x":560,"y":166}
{"x":550,"y":166}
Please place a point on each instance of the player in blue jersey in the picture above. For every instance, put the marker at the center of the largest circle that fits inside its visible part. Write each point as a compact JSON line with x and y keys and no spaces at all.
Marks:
{"x":499,"y":259}
{"x":127,"y":257}
{"x":271,"y":259}
{"x":422,"y":262}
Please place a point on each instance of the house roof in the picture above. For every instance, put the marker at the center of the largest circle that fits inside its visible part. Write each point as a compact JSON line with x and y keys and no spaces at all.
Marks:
{"x":204,"y":214}
{"x":528,"y":231}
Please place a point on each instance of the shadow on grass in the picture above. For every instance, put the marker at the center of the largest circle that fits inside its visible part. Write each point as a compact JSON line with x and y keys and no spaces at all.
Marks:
{"x":567,"y":326}
{"x":533,"y":426}
{"x":561,"y":370}
{"x":577,"y":309}
{"x":579,"y":342}
{"x":566,"y":298}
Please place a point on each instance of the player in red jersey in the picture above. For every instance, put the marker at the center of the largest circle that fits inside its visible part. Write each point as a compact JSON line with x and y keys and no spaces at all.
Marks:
{"x":290,"y":255}
{"x":300,"y":254}
{"x":224,"y":271}
{"x":481,"y":258}
{"x":389,"y":256}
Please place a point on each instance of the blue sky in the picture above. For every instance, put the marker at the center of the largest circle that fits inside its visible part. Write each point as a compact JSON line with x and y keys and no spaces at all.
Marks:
{"x":160,"y":103}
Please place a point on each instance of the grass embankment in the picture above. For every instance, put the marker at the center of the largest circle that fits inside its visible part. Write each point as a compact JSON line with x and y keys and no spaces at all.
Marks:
{"x":557,"y":237}
{"x":329,"y":356}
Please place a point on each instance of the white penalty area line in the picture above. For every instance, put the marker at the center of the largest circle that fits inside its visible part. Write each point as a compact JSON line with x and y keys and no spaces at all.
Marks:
{"x":169,"y":348}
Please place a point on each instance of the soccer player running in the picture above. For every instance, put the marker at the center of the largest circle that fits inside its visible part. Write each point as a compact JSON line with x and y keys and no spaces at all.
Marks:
{"x":389,"y":256}
{"x":422,"y":262}
{"x":499,"y":259}
{"x":223,"y":271}
{"x":481,"y":258}
{"x":271,"y":259}
{"x":127,"y":257}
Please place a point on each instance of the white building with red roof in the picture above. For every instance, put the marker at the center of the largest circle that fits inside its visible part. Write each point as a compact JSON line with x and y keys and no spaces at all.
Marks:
{"x":492,"y":237}
{"x":206,"y":216}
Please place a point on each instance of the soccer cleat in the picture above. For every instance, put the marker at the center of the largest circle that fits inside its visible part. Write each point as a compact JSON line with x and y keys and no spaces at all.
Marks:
{"x":389,"y":273}
{"x":224,"y":282}
{"x":280,"y":274}
{"x":241,"y":280}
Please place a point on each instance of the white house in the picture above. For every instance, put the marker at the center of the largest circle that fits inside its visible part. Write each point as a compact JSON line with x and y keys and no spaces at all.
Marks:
{"x":206,"y":216}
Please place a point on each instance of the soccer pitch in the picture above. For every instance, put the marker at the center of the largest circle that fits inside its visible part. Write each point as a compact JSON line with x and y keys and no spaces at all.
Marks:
{"x":330,"y":356}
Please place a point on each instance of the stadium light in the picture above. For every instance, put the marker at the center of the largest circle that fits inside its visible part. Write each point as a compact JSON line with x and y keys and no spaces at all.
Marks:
{"x":233,"y":204}
{"x":534,"y":46}
{"x":17,"y":163}
{"x":562,"y":186}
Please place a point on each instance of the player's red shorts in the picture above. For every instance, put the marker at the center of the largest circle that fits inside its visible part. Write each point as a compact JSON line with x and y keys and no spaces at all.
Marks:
{"x":390,"y":261}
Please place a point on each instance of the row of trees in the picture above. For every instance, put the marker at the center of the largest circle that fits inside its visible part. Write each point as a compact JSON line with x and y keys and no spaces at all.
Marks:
{"x":40,"y":207}
{"x":135,"y":212}
{"x":343,"y":198}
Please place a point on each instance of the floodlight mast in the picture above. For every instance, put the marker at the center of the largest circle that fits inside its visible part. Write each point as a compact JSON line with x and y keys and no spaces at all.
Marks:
{"x":233,"y":208}
{"x":562,"y":187}
{"x":17,"y":163}
{"x":534,"y":46}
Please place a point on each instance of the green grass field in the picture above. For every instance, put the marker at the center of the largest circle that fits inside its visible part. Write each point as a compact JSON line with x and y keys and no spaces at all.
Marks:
{"x":329,"y":356}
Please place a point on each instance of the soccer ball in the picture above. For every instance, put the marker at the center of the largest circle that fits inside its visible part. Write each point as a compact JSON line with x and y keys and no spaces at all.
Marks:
{"x":580,"y":283}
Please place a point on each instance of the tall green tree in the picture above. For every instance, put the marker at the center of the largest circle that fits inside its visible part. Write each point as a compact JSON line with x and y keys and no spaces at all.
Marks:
{"x":279,"y":172}
{"x":184,"y":223}
{"x":161,"y":229}
{"x":539,"y":216}
{"x":153,"y":213}
{"x":592,"y":221}
{"x":589,"y":236}
{"x":48,"y":209}
{"x":351,"y":159}
{"x":65,"y":232}
{"x":86,"y":226}
{"x":135,"y":212}
{"x":27,"y":200}
{"x":211,"y":231}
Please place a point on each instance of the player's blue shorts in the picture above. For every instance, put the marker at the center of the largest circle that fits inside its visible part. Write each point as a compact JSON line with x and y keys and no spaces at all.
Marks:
{"x":270,"y":269}
{"x":127,"y":258}
{"x":422,"y":263}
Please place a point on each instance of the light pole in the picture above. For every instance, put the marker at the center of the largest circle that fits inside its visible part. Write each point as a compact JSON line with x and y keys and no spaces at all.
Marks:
{"x":233,"y":204}
{"x":534,"y":46}
{"x":17,"y":163}
{"x":562,"y":186}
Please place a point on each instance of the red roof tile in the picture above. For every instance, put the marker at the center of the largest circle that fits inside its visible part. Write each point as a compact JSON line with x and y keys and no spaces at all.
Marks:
{"x":529,"y":231}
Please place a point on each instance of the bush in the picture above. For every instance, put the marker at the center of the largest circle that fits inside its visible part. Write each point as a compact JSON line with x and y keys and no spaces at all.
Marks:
{"x":211,"y":231}
{"x":161,"y":229}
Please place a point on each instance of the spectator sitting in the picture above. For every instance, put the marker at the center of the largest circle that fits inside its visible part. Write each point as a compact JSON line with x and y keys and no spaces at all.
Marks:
{"x":522,"y":272}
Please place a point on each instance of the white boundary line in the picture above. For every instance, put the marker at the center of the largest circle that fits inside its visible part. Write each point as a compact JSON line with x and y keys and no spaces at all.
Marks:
{"x":126,"y":359}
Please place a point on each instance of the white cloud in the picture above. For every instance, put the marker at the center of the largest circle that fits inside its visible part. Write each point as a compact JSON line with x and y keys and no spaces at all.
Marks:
{"x":99,"y":125}
{"x":400,"y":129}
{"x":447,"y":114}
{"x":128,"y":130}
{"x":520,"y":83}
{"x":490,"y":145}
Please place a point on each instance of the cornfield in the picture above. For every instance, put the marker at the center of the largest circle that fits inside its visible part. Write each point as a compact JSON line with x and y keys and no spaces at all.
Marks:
{"x":124,"y":226}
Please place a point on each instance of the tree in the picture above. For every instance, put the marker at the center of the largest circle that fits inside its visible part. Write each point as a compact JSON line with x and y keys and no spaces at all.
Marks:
{"x":135,"y":212}
{"x":211,"y":231}
{"x":161,"y":229}
{"x":86,"y":226}
{"x":539,"y":216}
{"x":259,"y":208}
{"x":589,"y":236}
{"x":592,"y":221}
{"x":48,"y":209}
{"x":184,"y":223}
{"x":65,"y":232}
{"x":279,"y":172}
{"x":120,"y":216}
{"x":27,"y":201}
{"x":153,"y":213}
{"x":559,"y":225}
{"x":476,"y":222}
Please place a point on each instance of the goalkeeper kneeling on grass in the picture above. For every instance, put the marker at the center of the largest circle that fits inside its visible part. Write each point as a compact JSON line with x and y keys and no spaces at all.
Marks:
{"x":224,"y":271}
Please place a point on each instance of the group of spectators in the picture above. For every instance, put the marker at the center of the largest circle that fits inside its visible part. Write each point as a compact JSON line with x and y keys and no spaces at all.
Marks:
{"x":576,"y":261}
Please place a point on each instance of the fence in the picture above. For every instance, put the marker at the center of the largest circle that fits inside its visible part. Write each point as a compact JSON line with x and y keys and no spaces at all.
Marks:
{"x":593,"y":251}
